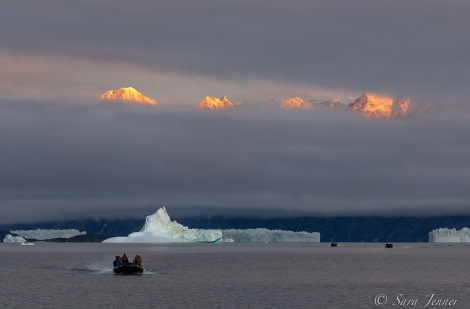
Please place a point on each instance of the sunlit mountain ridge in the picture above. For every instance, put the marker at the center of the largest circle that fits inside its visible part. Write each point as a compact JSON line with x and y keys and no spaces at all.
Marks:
{"x":127,"y":94}
{"x":214,"y":103}
{"x":371,"y":105}
{"x":296,"y":102}
{"x":368,"y":105}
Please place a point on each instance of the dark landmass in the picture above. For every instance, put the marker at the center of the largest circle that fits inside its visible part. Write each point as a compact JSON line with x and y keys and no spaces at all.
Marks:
{"x":339,"y":229}
{"x":3,"y":234}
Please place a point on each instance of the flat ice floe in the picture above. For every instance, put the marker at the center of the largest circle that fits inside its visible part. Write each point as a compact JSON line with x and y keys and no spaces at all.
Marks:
{"x":266,"y":235}
{"x":44,"y":234}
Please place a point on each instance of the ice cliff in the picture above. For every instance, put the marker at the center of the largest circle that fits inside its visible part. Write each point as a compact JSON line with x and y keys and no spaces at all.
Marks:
{"x":265,"y":235}
{"x":40,"y":234}
{"x":450,"y":235}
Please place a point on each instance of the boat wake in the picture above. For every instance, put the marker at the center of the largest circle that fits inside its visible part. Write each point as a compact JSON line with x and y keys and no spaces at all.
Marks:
{"x":95,"y":269}
{"x":99,"y":269}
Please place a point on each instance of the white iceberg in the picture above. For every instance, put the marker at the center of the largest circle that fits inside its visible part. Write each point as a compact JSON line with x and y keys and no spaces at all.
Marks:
{"x":159,"y":228}
{"x":450,"y":235}
{"x":265,"y":235}
{"x":40,"y":234}
{"x":14,"y":239}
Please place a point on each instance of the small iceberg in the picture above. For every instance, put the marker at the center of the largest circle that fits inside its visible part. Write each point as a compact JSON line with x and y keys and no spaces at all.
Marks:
{"x":9,"y":239}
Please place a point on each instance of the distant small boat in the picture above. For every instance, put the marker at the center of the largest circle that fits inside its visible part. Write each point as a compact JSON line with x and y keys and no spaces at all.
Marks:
{"x":388,"y":245}
{"x":334,"y":244}
{"x":128,"y":269}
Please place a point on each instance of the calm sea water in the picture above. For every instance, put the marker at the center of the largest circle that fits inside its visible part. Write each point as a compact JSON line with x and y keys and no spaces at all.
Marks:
{"x":231,"y":275}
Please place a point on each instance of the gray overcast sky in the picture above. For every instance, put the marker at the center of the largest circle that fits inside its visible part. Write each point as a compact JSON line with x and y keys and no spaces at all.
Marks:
{"x":64,"y":154}
{"x":180,"y":51}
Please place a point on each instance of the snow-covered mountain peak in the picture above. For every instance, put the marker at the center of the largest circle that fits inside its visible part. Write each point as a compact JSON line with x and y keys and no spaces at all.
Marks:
{"x":296,"y":102}
{"x":128,"y":94}
{"x":372,"y":105}
{"x":214,"y":103}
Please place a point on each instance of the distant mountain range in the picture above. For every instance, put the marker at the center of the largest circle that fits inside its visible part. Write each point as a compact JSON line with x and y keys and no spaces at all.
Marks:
{"x":368,"y":105}
{"x":339,"y":229}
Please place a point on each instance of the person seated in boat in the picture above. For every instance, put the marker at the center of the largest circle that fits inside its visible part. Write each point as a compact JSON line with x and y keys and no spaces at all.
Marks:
{"x":117,"y":261}
{"x":124,"y":259}
{"x":138,"y":260}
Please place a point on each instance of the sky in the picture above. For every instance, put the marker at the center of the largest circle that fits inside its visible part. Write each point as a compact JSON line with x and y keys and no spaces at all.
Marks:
{"x":65,"y":154}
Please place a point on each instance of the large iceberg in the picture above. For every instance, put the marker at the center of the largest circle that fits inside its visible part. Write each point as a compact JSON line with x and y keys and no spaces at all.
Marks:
{"x":265,"y":235}
{"x":159,"y":228}
{"x":44,"y":234}
{"x":450,"y":235}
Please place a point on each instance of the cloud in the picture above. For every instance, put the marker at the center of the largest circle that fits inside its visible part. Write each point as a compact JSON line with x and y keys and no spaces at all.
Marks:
{"x":62,"y":159}
{"x":65,"y":154}
{"x":399,"y":48}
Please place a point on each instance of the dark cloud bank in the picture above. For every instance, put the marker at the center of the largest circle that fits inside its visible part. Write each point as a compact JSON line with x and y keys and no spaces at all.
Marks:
{"x":95,"y":159}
